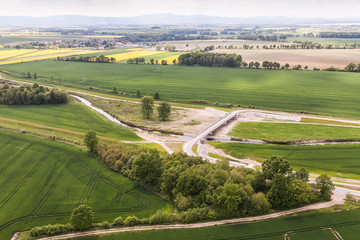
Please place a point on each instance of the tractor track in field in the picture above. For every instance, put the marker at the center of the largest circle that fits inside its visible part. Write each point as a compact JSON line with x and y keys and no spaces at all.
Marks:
{"x":25,"y":179}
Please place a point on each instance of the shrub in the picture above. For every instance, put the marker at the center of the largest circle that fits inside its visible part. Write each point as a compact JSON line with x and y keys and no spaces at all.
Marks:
{"x":131,"y":221}
{"x":105,"y":224}
{"x":119,"y":221}
{"x":160,"y":217}
{"x":22,"y":131}
{"x":50,"y":230}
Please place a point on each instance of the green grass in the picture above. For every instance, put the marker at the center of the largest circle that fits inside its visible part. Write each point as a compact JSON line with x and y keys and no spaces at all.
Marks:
{"x":293,"y":132}
{"x":317,"y":234}
{"x":42,"y":181}
{"x":341,"y":160}
{"x":314,"y":92}
{"x":75,"y":117}
{"x":270,"y":229}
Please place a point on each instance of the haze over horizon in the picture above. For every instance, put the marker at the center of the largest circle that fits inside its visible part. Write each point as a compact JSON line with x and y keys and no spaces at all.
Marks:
{"x":330,"y":9}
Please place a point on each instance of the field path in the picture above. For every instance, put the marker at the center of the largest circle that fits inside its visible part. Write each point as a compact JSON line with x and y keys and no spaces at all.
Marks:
{"x":337,"y":199}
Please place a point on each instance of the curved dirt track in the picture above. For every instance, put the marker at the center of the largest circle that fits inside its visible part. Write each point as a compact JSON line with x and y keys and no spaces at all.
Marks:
{"x":335,"y":201}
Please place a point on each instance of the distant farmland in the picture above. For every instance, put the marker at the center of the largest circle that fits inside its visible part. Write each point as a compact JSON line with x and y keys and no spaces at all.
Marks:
{"x":314,"y":92}
{"x":42,"y":181}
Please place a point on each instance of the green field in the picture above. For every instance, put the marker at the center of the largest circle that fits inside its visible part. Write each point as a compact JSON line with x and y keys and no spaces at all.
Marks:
{"x":292,"y":132}
{"x":75,"y":117}
{"x":315,"y":92}
{"x":338,"y":159}
{"x":42,"y":181}
{"x":305,"y":227}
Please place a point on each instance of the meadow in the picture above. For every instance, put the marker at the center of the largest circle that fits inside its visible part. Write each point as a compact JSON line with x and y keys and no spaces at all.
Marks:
{"x":311,"y":91}
{"x":290,"y":132}
{"x":340,"y":160}
{"x":42,"y":181}
{"x":303,"y":228}
{"x":74,"y":117}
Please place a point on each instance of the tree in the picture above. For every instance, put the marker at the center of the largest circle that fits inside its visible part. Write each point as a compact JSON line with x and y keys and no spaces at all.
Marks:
{"x":115,"y":90}
{"x":325,"y":185}
{"x":279,"y":194}
{"x":350,"y":67}
{"x":228,"y":197}
{"x":35,"y":76}
{"x":28,"y":75}
{"x":257,"y":64}
{"x":156,"y":96}
{"x":138,"y":94}
{"x":164,"y":111}
{"x":287,"y":66}
{"x":82,"y":217}
{"x":91,"y":141}
{"x":158,"y":48}
{"x":148,"y":168}
{"x":306,"y":67}
{"x":147,"y":103}
{"x":302,"y":175}
{"x":152,"y":61}
{"x":275,"y":165}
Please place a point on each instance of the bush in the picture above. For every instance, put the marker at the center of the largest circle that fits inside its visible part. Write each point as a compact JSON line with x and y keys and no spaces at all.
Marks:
{"x":22,"y":131}
{"x":132,"y":221}
{"x":160,"y":217}
{"x":50,"y":230}
{"x":105,"y":224}
{"x":119,"y":221}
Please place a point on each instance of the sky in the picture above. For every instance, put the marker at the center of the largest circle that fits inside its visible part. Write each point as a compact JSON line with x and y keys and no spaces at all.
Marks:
{"x":224,"y":8}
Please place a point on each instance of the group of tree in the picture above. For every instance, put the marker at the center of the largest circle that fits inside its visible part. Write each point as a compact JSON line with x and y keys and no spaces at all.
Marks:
{"x":160,"y":37}
{"x":170,"y":48}
{"x":100,"y":59}
{"x":29,"y":75}
{"x":147,"y":108}
{"x":268,"y":38}
{"x":198,"y":58}
{"x":339,"y":35}
{"x":218,"y":189}
{"x":26,"y":95}
{"x":271,"y":65}
{"x":136,"y":61}
{"x":352,"y":67}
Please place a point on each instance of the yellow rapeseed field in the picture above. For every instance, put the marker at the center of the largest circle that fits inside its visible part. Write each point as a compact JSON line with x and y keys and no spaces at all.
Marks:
{"x":46,"y":52}
{"x":134,"y":54}
{"x":170,"y":59}
{"x":5,"y":54}
{"x":11,"y":61}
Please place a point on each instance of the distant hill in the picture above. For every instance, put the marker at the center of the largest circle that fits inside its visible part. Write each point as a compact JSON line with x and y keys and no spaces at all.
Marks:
{"x":159,"y":19}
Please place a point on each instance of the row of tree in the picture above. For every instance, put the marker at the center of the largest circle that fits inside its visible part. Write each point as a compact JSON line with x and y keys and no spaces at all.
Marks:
{"x":339,"y":35}
{"x":147,"y":108}
{"x":99,"y":59}
{"x":352,"y":67}
{"x":26,"y":95}
{"x":198,"y":58}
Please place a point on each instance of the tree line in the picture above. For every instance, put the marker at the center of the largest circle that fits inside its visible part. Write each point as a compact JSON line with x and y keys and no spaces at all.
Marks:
{"x":100,"y":59}
{"x":339,"y":35}
{"x":210,"y":59}
{"x":26,"y":95}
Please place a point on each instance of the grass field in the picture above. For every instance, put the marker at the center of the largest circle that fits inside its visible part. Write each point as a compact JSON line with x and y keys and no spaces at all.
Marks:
{"x":42,"y":181}
{"x":314,"y":92}
{"x":305,"y":228}
{"x":292,"y":132}
{"x":67,"y":116}
{"x":341,"y":160}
